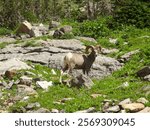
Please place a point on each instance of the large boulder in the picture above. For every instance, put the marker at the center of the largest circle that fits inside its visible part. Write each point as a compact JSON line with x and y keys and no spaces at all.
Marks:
{"x":12,"y":64}
{"x":25,"y":27}
{"x":81,"y":80}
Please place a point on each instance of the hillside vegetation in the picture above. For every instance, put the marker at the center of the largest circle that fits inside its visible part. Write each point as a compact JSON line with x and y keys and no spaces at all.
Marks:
{"x":130,"y":27}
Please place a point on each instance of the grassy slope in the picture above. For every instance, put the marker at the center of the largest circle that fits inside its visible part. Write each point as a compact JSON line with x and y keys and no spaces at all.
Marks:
{"x":107,"y":86}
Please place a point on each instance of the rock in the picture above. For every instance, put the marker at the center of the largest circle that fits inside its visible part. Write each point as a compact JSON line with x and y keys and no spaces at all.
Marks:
{"x":145,"y":110}
{"x":44,"y":84}
{"x":126,"y":57}
{"x":53,"y":72}
{"x":55,"y":111}
{"x":106,"y":106}
{"x":123,"y":111}
{"x":113,"y":109}
{"x":54,"y":24}
{"x":26,"y":90}
{"x":108,"y":51}
{"x":90,"y":110}
{"x":33,"y":105}
{"x":66,"y":99}
{"x":26,"y":80}
{"x":12,"y":64}
{"x":58,"y":103}
{"x":147,"y":78}
{"x":10,"y":73}
{"x":58,"y":34}
{"x":26,"y":98}
{"x":133,"y":107}
{"x":66,"y":29}
{"x":144,"y":71}
{"x":40,"y":110}
{"x":145,"y":88}
{"x":67,"y":44}
{"x":142,"y":100}
{"x":11,"y":83}
{"x":81,"y":80}
{"x":89,"y":39}
{"x":126,"y":101}
{"x":51,"y":33}
{"x":114,"y":41}
{"x":124,"y":85}
{"x":25,"y":27}
{"x":35,"y":32}
{"x":95,"y":95}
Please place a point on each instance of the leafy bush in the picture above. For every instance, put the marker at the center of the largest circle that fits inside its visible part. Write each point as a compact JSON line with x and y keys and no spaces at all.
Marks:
{"x":95,"y":29}
{"x":67,"y":36}
{"x":133,"y":13}
{"x":4,"y":31}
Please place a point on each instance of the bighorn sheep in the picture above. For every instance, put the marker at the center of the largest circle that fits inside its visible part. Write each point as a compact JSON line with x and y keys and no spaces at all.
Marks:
{"x":80,"y":61}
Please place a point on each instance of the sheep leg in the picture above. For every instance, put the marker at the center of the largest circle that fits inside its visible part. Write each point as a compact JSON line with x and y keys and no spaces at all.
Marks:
{"x":62,"y":73}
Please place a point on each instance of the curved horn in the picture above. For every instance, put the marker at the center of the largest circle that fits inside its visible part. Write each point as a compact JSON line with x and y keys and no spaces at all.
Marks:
{"x":99,"y":48}
{"x":88,"y":47}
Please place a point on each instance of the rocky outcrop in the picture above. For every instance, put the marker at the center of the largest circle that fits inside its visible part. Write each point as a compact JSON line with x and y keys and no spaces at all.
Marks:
{"x":52,"y":52}
{"x":126,"y":57}
{"x":12,"y":64}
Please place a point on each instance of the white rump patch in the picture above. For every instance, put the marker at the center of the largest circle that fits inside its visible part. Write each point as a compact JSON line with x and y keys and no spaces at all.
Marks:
{"x":69,"y":55}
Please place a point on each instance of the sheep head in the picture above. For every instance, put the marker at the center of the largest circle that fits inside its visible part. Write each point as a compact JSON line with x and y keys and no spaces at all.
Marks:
{"x":93,"y":49}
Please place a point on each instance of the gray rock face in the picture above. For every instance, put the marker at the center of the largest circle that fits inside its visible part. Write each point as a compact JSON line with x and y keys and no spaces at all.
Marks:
{"x":126,"y":57}
{"x":12,"y":64}
{"x":52,"y":53}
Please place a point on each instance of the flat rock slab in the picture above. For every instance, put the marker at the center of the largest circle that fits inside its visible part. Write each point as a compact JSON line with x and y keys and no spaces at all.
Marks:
{"x":12,"y":64}
{"x":53,"y":52}
{"x":71,"y":44}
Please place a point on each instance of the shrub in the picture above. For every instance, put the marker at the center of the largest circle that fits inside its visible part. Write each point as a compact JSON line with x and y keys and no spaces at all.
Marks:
{"x":95,"y":29}
{"x":133,"y":13}
{"x":4,"y":31}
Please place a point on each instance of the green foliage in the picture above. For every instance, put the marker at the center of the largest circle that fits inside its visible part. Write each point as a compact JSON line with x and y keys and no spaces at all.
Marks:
{"x":5,"y":31}
{"x":95,"y":29}
{"x":67,"y":36}
{"x":132,"y":13}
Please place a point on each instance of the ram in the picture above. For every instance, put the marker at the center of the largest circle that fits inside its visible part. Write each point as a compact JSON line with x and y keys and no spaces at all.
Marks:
{"x":80,"y":61}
